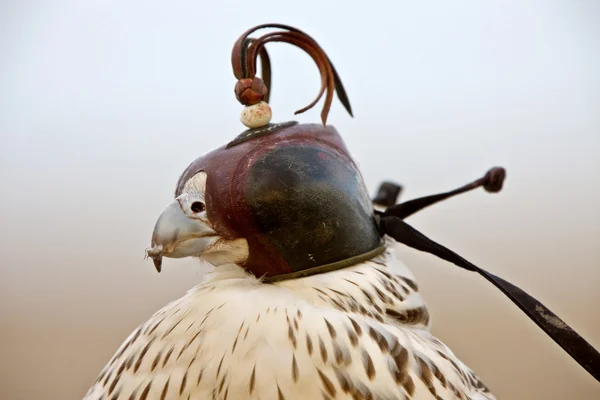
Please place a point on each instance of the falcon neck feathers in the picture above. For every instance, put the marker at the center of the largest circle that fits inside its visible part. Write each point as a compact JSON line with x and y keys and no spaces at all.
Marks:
{"x":356,"y":333}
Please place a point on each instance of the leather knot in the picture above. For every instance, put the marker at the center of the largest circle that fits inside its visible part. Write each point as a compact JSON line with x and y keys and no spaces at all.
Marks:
{"x":250,"y":91}
{"x":494,"y":179}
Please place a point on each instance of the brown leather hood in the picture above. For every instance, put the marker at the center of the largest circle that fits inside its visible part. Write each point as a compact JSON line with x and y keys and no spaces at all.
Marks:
{"x":295,"y":194}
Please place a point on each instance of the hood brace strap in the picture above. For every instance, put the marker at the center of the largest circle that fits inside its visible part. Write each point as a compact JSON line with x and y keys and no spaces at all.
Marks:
{"x":391,"y":223}
{"x":321,"y":269}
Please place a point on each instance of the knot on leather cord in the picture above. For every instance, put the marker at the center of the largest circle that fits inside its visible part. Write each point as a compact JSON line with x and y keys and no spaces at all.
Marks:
{"x":250,"y":90}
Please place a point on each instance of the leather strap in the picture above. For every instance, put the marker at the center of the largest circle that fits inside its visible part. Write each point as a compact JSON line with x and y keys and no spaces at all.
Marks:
{"x":391,"y":223}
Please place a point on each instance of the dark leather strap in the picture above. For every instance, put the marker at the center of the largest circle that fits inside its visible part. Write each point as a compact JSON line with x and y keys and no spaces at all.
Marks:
{"x":391,"y":223}
{"x":321,"y":269}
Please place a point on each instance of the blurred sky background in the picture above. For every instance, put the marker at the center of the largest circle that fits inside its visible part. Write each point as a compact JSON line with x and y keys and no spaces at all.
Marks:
{"x":104,"y":103}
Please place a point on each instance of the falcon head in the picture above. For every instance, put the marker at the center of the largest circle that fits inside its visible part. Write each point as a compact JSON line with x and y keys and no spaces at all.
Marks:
{"x":277,"y":201}
{"x":184,"y":230}
{"x":280,"y":199}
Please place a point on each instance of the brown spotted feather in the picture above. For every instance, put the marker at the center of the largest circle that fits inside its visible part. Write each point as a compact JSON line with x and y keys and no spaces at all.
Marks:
{"x":358,"y":333}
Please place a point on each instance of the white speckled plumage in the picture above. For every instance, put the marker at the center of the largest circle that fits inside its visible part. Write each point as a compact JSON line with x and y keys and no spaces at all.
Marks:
{"x":357,"y":333}
{"x":234,"y":337}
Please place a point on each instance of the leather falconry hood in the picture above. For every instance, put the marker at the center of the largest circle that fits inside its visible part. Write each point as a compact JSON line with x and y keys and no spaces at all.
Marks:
{"x":295,"y":194}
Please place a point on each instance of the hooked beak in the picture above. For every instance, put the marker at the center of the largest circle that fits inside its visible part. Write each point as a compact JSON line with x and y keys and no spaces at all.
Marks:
{"x":176,"y":236}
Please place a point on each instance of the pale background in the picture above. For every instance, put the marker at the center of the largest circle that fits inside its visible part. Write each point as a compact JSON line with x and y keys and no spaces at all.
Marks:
{"x":104,"y":103}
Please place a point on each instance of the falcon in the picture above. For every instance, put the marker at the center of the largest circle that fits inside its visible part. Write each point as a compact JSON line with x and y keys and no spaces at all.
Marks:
{"x":355,"y":333}
{"x":306,"y":299}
